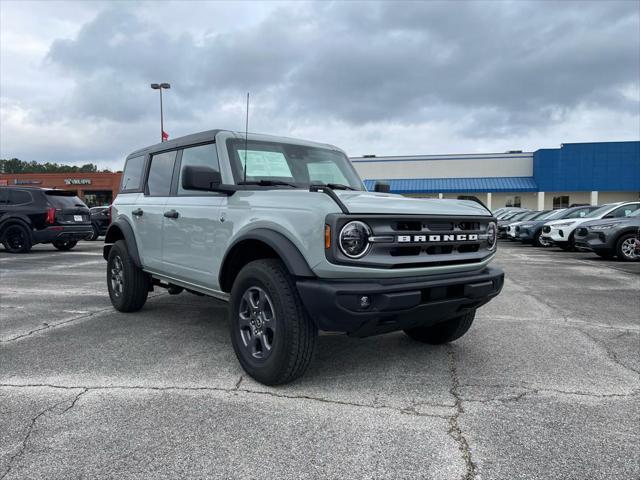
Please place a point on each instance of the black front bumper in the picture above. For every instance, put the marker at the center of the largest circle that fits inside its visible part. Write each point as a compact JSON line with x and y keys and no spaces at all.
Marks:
{"x":66,"y":232}
{"x":398,"y":303}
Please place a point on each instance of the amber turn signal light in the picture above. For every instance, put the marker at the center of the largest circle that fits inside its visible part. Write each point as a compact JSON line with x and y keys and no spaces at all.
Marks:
{"x":327,"y":237}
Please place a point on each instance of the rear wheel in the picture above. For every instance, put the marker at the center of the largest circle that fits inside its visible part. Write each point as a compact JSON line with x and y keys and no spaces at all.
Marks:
{"x":16,"y":239}
{"x":272,"y":334}
{"x":128,"y":285}
{"x":626,"y":248}
{"x":65,"y":245}
{"x":443,"y":332}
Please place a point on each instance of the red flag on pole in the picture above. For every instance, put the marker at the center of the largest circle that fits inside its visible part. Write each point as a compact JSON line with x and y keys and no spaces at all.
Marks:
{"x":165,"y":136}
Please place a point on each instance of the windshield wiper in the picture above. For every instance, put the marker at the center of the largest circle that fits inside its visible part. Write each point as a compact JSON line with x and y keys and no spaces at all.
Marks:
{"x":333,"y":186}
{"x":268,"y":183}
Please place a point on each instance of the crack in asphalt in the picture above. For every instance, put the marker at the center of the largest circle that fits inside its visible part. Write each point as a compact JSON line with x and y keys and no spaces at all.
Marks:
{"x":58,"y":324}
{"x":70,"y":320}
{"x":23,"y":445}
{"x":612,"y":356}
{"x":410,"y":410}
{"x":535,"y":391}
{"x":455,"y":431}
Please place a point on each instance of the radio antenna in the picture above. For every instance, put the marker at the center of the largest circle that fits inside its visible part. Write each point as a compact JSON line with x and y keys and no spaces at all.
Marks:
{"x":246,"y":135}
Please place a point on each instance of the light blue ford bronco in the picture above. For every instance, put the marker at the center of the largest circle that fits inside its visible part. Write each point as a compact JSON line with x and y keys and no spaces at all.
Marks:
{"x":285,"y":232}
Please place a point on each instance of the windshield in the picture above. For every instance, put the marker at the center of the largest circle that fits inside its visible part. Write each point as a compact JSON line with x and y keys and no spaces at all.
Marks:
{"x":552,"y":214}
{"x":599,"y":211}
{"x":299,"y":165}
{"x":536,"y":215}
{"x":519,"y":216}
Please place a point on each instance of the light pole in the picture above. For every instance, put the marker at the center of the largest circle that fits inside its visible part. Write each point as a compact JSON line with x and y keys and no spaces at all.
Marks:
{"x":160,"y":86}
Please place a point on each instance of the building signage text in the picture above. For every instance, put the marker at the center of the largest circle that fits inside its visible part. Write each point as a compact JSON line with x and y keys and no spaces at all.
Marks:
{"x":77,"y":181}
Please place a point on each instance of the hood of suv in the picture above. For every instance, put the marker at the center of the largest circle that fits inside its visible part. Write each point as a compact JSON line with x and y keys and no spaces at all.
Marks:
{"x":626,"y":221}
{"x":386,"y":203}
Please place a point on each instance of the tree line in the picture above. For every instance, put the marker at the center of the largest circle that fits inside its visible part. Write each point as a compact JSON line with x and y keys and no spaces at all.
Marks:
{"x":15,"y":165}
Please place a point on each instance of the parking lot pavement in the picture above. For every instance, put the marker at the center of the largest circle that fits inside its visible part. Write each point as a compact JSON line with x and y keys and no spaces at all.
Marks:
{"x":546,"y":384}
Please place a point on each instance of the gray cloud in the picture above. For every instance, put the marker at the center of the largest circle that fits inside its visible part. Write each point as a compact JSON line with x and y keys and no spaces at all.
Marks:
{"x":370,"y":62}
{"x":485,"y":69}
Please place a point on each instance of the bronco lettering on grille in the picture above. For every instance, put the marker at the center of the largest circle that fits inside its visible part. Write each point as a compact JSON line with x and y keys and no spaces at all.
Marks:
{"x":470,"y":237}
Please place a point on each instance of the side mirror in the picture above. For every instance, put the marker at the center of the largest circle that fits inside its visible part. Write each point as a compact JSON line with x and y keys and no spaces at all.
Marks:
{"x":382,"y":187}
{"x":204,"y":178}
{"x":608,"y":216}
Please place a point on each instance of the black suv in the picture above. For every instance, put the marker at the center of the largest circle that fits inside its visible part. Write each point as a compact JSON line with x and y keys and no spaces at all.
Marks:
{"x":100,"y":220}
{"x":37,"y":215}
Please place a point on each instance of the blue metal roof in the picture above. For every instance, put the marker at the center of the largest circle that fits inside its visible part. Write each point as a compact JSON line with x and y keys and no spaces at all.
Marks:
{"x":459,"y":185}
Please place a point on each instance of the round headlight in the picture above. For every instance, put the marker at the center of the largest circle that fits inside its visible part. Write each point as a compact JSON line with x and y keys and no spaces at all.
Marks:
{"x":354,"y":239}
{"x":492,"y":233}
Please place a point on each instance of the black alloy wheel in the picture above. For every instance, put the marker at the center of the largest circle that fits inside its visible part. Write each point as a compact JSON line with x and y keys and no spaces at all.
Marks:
{"x":16,"y":239}
{"x":257,"y":323}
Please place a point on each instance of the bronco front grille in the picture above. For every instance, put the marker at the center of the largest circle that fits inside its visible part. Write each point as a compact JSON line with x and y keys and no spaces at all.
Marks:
{"x":416,"y":242}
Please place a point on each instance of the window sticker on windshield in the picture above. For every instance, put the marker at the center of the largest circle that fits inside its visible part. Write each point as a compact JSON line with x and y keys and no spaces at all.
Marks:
{"x":262,"y":163}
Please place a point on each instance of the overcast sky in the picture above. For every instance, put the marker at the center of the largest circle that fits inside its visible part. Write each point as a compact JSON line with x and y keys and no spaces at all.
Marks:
{"x":373,"y":78}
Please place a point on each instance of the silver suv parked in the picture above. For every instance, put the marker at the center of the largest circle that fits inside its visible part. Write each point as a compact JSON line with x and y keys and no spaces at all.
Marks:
{"x":285,"y":231}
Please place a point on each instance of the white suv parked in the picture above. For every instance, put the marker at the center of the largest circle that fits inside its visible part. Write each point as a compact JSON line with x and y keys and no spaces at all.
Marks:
{"x":562,"y":232}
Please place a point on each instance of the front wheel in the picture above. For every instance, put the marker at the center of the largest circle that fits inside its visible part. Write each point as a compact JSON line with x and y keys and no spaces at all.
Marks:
{"x":626,"y":248}
{"x":444,"y":332}
{"x":16,"y":239}
{"x":538,"y":241}
{"x":65,"y":245}
{"x":271,"y":332}
{"x":95,"y":233}
{"x":128,"y":285}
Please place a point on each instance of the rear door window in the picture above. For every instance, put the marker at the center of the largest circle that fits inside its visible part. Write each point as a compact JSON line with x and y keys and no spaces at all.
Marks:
{"x":160,"y":174}
{"x":19,"y":197}
{"x":132,"y":175}
{"x":4,"y":196}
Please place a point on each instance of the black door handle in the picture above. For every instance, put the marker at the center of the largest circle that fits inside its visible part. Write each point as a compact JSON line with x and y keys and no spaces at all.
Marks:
{"x":137,"y":212}
{"x":171,"y":214}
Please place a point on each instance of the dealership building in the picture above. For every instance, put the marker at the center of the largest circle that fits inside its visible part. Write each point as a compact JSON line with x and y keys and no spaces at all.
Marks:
{"x":96,"y":189}
{"x":575,"y":173}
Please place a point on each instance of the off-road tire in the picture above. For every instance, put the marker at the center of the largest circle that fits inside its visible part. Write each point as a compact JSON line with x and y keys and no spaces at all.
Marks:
{"x":619,"y":249}
{"x":295,"y":335}
{"x":135,"y":283}
{"x":65,"y":245}
{"x":20,"y":244}
{"x":444,"y":332}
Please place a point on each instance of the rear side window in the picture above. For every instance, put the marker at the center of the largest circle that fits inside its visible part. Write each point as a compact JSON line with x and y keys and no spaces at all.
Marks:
{"x":19,"y":197}
{"x":62,"y":199}
{"x":4,"y":196}
{"x":160,"y":174}
{"x":200,"y":156}
{"x":132,"y":175}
